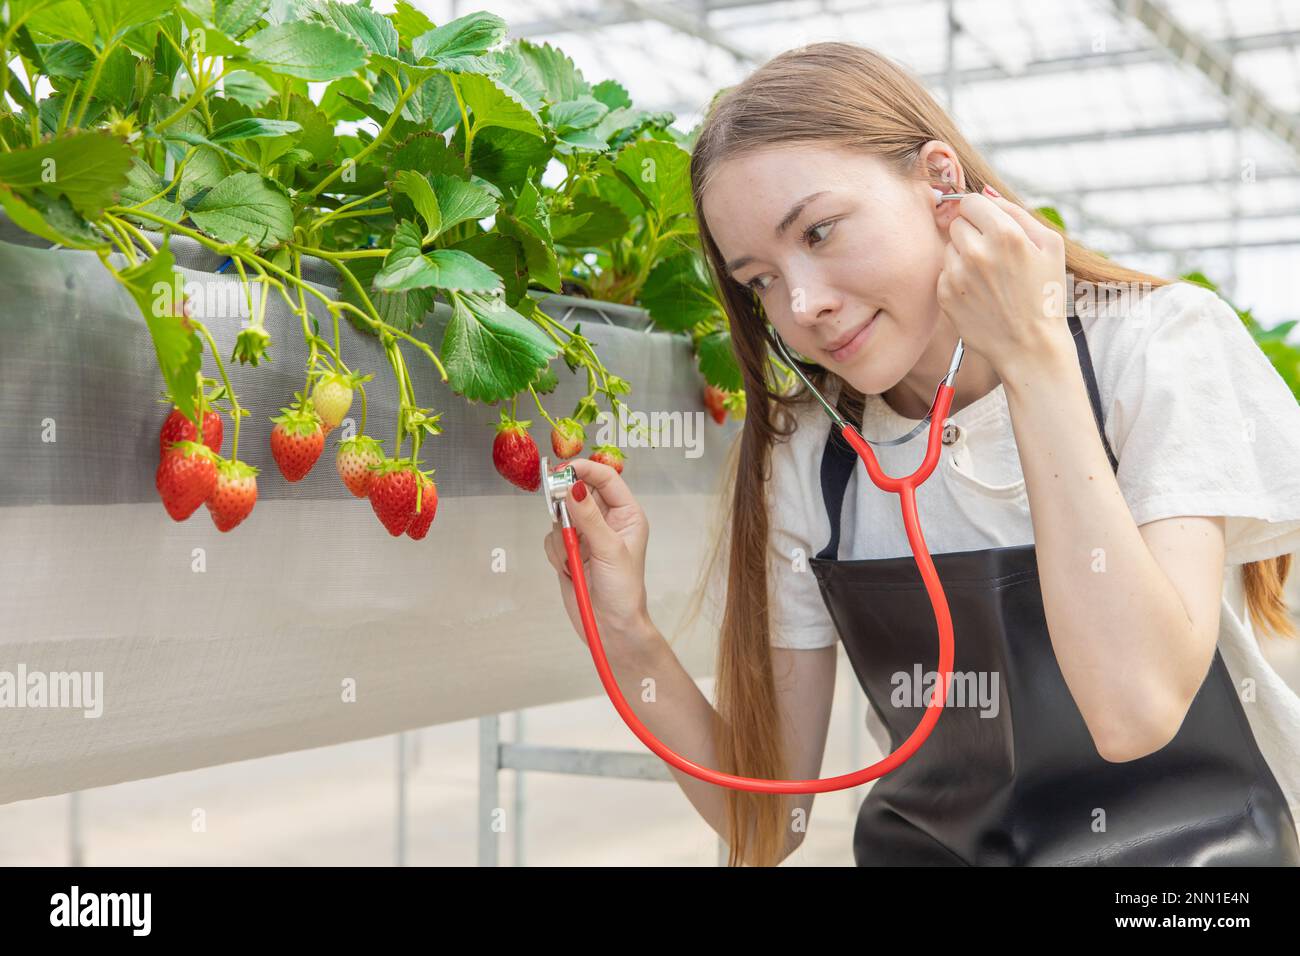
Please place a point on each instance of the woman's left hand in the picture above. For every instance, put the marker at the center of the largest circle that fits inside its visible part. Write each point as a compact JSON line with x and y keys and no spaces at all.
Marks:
{"x":1003,"y":282}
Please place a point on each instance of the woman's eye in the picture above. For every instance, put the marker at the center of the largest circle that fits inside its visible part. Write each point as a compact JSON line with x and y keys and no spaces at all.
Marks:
{"x":808,"y":237}
{"x":812,"y":230}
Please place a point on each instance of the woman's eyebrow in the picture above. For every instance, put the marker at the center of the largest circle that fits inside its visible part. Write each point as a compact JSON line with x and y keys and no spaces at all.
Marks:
{"x":781,"y":226}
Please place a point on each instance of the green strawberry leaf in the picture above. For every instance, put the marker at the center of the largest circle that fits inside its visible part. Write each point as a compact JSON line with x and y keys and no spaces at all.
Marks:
{"x":560,"y":78}
{"x":178,"y":346}
{"x":247,"y":88}
{"x":307,"y":49}
{"x":717,"y":363}
{"x":245,"y":206}
{"x":417,"y":187}
{"x":546,"y":382}
{"x":677,"y":294}
{"x":661,"y":173}
{"x":530,"y":224}
{"x":409,"y":21}
{"x":461,"y":201}
{"x":591,"y":221}
{"x":407,"y":268}
{"x":253,"y":127}
{"x":494,"y":105}
{"x":405,"y":310}
{"x":469,"y":36}
{"x":374,"y":31}
{"x":575,"y":114}
{"x":143,"y":182}
{"x":38,"y":217}
{"x":491,"y":352}
{"x":90,"y":168}
{"x":231,"y":17}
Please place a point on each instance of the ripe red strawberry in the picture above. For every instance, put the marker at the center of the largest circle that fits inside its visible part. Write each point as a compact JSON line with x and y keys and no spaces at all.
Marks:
{"x":419,"y":525}
{"x":713,"y":399}
{"x":566,"y":438}
{"x":235,"y":494}
{"x":296,"y":442}
{"x":609,"y":455}
{"x":332,"y":397}
{"x":185,"y":478}
{"x":354,"y":459}
{"x":392,"y":494}
{"x":179,"y":428}
{"x":515,"y":454}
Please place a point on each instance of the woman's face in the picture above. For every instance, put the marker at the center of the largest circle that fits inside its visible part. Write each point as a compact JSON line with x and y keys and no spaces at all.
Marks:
{"x":844,"y":254}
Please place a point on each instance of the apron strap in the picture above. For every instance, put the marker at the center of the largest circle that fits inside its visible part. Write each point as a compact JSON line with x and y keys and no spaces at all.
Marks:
{"x":839,"y":458}
{"x":1090,"y":379}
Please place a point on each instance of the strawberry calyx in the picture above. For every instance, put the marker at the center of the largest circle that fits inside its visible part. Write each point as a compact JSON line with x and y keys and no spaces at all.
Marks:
{"x":193,"y":449}
{"x":297,"y":419}
{"x":236,"y":470}
{"x":510,"y":424}
{"x":388,"y":465}
{"x":360,"y":445}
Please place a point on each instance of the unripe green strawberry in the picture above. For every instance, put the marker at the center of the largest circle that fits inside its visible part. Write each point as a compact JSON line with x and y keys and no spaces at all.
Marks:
{"x":566,"y":437}
{"x":392,"y":494}
{"x":235,"y":494}
{"x":185,"y":478}
{"x":610,"y":455}
{"x":428,"y":507}
{"x":515,"y":455}
{"x":332,"y":397}
{"x":296,"y":442}
{"x":354,"y":461}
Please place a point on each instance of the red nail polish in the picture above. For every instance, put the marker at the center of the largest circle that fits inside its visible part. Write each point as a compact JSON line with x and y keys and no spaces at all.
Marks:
{"x":579,"y":490}
{"x":992,"y":192}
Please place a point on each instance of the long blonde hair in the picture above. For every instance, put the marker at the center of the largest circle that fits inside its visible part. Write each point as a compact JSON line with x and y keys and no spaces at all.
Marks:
{"x":835,"y":94}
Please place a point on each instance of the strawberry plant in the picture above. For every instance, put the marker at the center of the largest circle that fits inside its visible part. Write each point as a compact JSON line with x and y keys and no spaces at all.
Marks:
{"x":412,"y":165}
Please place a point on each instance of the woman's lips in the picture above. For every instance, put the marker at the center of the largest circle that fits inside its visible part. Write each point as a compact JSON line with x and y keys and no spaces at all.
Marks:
{"x":853,"y":345}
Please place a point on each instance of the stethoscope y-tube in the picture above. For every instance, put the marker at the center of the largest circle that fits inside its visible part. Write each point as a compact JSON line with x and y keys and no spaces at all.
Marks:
{"x":555,"y":488}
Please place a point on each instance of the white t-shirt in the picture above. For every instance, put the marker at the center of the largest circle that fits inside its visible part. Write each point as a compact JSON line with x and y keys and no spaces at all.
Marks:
{"x":1200,"y":421}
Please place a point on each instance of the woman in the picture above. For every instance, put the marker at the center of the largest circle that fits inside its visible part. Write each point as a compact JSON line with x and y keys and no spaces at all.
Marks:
{"x":1108,"y":452}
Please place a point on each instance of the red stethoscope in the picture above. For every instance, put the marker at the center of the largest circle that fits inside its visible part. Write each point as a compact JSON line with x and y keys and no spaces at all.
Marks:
{"x":555,"y":488}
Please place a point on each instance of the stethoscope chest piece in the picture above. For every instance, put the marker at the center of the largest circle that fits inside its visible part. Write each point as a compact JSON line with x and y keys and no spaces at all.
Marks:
{"x":555,"y":489}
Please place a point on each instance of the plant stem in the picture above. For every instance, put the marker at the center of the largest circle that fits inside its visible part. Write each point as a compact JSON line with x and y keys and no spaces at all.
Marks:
{"x":128,"y":227}
{"x":235,"y":412}
{"x":176,"y":176}
{"x":464,"y":118}
{"x":188,"y":105}
{"x":356,"y":286}
{"x":372,"y":145}
{"x":351,"y":254}
{"x":316,"y":224}
{"x":538,"y":400}
{"x":94,"y":80}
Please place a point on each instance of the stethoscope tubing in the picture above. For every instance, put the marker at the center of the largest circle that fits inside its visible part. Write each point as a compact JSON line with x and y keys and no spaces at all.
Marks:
{"x":905,"y":488}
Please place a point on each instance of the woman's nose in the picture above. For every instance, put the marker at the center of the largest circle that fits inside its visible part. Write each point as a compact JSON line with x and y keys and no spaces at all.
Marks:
{"x":812,"y":304}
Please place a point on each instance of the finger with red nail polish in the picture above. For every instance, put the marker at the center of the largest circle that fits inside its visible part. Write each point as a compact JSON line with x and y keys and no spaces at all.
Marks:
{"x":579,"y":490}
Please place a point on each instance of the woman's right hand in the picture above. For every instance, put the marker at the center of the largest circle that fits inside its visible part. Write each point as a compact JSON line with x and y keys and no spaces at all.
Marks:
{"x":612,"y":536}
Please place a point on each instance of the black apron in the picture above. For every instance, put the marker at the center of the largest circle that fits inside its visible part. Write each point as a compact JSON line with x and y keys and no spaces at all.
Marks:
{"x":1026,"y":786}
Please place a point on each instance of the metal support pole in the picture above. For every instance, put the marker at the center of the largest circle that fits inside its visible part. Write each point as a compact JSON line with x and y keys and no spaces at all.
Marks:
{"x":518,"y":840}
{"x":489,"y":762}
{"x":399,"y":849}
{"x":950,"y":58}
{"x":76,"y":850}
